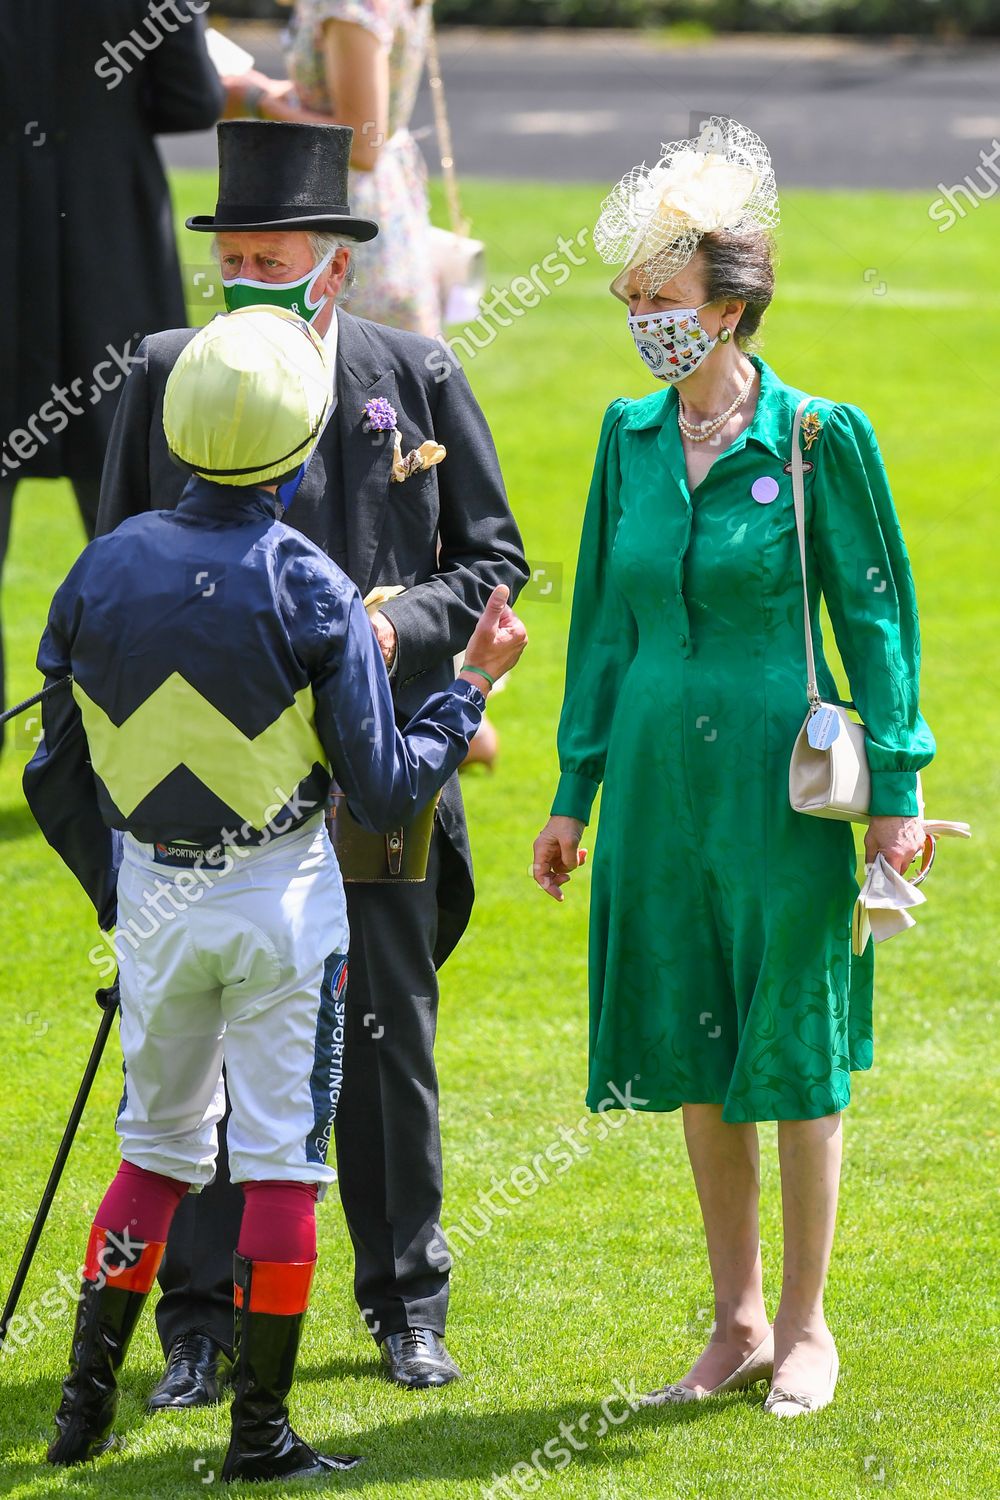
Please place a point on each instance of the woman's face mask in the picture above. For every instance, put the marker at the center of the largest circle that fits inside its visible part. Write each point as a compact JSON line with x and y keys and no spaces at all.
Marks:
{"x":672,"y":344}
{"x":297,"y":296}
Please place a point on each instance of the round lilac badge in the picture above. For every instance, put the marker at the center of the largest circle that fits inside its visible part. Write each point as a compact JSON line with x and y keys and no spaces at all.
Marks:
{"x":765,"y":489}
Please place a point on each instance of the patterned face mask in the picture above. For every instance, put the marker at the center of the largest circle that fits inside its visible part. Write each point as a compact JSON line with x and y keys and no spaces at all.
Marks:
{"x":673,"y":343}
{"x":296,"y":296}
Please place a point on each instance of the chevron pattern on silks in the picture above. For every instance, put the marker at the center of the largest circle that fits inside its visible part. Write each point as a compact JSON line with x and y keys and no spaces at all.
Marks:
{"x":177,"y":726}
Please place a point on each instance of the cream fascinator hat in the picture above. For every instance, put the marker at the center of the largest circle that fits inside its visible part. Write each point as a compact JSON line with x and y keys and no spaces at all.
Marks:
{"x":654,"y":218}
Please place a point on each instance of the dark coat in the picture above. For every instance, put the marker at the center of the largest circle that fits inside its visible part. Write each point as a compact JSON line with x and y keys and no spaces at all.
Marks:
{"x":86,"y":229}
{"x":447,"y":534}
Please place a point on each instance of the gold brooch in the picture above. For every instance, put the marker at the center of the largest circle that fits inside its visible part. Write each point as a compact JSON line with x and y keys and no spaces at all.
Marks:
{"x":811,"y":424}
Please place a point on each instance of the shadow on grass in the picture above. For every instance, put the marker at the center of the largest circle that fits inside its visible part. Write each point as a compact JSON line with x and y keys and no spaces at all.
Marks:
{"x":16,"y":822}
{"x":431,"y":1444}
{"x":362,"y":1367}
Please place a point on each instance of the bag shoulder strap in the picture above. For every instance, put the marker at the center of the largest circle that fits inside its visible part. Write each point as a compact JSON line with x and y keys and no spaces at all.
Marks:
{"x":799,"y":501}
{"x":459,"y":224}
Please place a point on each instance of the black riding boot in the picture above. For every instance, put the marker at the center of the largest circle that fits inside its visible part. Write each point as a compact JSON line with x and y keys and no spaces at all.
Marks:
{"x":106,"y":1316}
{"x":269,"y":1322}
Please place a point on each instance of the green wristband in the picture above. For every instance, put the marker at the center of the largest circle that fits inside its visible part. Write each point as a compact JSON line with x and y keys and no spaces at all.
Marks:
{"x":481,"y":670}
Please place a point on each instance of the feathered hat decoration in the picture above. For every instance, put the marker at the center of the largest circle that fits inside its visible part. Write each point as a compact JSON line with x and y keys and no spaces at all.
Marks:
{"x":654,"y":218}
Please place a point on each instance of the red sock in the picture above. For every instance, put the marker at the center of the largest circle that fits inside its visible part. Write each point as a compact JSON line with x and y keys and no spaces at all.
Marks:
{"x":135,"y":1212}
{"x":279,"y":1222}
{"x":141,"y":1202}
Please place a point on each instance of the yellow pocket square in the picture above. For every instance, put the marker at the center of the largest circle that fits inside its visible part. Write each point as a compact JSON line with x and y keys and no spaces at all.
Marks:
{"x":424,"y":457}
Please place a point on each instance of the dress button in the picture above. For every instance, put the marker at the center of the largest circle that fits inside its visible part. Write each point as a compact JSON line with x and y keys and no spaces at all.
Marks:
{"x":682,"y":640}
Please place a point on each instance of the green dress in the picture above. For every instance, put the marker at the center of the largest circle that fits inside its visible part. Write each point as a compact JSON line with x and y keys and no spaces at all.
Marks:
{"x":721,"y":968}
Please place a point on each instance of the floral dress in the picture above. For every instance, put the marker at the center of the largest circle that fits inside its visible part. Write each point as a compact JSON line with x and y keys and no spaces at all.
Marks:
{"x":395,"y":279}
{"x":721,"y":968}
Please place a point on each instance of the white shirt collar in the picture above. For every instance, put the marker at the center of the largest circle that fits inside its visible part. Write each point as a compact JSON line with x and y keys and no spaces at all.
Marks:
{"x":330,"y":338}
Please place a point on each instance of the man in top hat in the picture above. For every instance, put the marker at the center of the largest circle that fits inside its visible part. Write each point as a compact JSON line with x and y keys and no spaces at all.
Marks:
{"x":444,"y":534}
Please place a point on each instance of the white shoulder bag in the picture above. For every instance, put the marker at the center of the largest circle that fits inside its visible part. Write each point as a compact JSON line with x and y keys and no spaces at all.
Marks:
{"x":828,"y":775}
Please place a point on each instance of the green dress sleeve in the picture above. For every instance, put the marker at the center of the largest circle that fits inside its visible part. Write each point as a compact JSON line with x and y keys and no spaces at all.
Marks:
{"x":865,"y":576}
{"x":602,"y":638}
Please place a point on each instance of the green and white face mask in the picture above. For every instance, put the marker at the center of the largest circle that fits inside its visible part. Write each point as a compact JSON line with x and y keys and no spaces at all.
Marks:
{"x":296,"y":296}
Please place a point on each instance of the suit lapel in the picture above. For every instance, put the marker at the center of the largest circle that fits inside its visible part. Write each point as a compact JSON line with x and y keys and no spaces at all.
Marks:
{"x":313,"y":485}
{"x":366,"y":457}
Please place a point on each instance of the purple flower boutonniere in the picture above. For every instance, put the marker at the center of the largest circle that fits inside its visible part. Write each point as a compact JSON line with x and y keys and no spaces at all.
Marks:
{"x":380,"y":416}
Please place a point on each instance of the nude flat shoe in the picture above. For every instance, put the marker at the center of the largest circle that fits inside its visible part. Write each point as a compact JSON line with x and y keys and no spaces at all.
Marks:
{"x":756,"y":1367}
{"x":784,"y":1403}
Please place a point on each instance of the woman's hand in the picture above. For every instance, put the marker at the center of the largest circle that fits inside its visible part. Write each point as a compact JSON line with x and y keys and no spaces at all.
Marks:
{"x":900,"y":840}
{"x":245,"y":92}
{"x":236,"y":105}
{"x":557,"y":854}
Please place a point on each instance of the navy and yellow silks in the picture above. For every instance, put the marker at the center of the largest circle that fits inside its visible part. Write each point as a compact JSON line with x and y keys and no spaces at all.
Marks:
{"x":223,"y":666}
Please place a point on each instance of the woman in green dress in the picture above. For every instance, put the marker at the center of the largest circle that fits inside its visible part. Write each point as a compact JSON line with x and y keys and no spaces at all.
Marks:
{"x":722,"y":977}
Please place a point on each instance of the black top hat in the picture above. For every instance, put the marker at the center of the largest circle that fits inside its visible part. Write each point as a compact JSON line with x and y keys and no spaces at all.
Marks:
{"x":274,"y":175}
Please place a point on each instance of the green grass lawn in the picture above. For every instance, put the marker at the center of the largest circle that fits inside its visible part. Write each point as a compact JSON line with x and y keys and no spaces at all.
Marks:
{"x":599,"y":1276}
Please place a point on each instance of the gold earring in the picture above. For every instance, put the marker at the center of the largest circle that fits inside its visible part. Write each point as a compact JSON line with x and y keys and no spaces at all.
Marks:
{"x":725,"y":334}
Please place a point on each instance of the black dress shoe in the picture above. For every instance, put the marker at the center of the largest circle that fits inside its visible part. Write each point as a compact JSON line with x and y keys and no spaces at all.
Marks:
{"x":417,"y":1358}
{"x":197,"y":1371}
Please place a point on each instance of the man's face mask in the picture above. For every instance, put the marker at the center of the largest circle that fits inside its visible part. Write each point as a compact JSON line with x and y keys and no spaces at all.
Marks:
{"x":297,"y":296}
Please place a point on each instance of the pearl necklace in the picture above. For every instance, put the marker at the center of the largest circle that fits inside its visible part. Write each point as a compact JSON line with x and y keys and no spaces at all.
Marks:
{"x":700,"y":432}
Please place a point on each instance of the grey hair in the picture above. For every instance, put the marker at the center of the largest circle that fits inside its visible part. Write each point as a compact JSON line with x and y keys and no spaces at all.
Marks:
{"x":322,"y":244}
{"x":740,"y":265}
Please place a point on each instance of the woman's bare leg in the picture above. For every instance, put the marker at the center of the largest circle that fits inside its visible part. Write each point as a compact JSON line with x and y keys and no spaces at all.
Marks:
{"x":725,"y":1160}
{"x":810,"y":1155}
